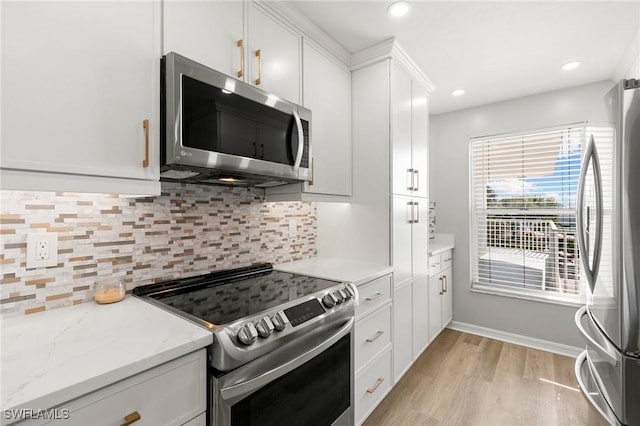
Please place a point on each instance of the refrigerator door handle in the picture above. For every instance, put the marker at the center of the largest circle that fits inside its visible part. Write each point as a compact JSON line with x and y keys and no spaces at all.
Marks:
{"x":605,"y":348}
{"x":591,"y":267}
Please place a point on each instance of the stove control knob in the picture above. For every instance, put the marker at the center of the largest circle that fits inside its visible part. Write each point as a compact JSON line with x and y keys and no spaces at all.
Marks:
{"x":265,"y":327}
{"x":349,"y":292}
{"x":248,"y":334}
{"x":329,"y":300}
{"x":344,"y":294}
{"x":280,"y":321}
{"x":338,"y":296}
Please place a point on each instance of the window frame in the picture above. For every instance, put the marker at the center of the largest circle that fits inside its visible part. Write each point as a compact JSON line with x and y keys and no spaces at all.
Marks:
{"x":515,"y":292}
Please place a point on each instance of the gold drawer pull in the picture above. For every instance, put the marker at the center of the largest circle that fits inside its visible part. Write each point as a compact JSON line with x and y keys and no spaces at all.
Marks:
{"x":131,"y":418}
{"x":378,"y":294}
{"x":145,"y":125}
{"x":378,"y":383}
{"x":374,"y":338}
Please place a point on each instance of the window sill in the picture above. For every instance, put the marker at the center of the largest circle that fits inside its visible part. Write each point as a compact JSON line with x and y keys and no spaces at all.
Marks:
{"x":534,"y":296}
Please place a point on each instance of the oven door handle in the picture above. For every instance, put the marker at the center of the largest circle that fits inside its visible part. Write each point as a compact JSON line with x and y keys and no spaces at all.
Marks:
{"x":251,"y":385}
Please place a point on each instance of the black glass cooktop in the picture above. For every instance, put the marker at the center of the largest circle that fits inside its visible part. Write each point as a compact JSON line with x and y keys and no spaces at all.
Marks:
{"x":225,"y":296}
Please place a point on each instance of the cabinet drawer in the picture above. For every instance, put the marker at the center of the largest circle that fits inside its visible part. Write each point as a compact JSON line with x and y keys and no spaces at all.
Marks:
{"x":447,"y":258}
{"x":371,"y":385}
{"x":372,"y":335}
{"x":373,"y":295}
{"x":170,"y":394}
{"x":435,"y":264}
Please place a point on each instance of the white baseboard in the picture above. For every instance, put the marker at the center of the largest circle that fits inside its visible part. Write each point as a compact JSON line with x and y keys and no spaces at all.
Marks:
{"x":530,"y":342}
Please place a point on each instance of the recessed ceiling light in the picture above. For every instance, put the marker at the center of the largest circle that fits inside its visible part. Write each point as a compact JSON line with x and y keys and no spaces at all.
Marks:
{"x":458,"y":92}
{"x":571,"y":65}
{"x":399,"y":8}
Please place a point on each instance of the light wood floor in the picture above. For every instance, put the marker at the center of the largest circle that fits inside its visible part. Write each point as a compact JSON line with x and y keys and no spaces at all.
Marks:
{"x":463,"y":379}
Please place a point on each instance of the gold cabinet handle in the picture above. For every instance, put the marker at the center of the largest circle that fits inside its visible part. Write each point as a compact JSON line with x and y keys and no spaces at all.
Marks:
{"x":416,"y":186}
{"x":240,"y":45}
{"x":131,"y":418}
{"x":145,"y":162}
{"x":370,"y":298}
{"x":441,"y":284}
{"x":259,"y":56}
{"x":410,"y":177}
{"x":376,"y":337}
{"x":378,"y":383}
{"x":446,"y":283}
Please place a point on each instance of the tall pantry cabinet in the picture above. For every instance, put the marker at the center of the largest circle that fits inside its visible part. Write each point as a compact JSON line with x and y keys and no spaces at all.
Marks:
{"x":386,"y":220}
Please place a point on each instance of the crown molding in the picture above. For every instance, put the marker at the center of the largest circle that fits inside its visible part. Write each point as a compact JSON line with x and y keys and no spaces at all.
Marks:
{"x":390,"y":49}
{"x":631,"y":55}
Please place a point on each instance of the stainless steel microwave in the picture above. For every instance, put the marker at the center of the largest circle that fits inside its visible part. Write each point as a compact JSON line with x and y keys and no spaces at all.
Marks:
{"x":219,"y":130}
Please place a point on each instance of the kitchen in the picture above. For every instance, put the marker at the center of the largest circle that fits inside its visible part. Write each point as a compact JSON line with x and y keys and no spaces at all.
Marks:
{"x":187,"y":230}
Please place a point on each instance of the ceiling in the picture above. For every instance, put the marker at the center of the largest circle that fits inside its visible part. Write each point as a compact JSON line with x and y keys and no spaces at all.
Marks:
{"x":494,"y":50}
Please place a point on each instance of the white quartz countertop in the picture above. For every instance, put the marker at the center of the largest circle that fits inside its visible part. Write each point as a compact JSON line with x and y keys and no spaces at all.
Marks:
{"x":52,"y":357}
{"x":336,"y":269}
{"x":441,"y":242}
{"x":436,"y":248}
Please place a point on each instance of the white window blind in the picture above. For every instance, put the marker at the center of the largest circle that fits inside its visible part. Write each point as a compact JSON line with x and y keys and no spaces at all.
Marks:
{"x":524,"y":212}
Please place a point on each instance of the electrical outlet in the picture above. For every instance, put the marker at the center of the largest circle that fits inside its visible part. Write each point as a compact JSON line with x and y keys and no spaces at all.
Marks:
{"x":42,"y":250}
{"x":293,"y":228}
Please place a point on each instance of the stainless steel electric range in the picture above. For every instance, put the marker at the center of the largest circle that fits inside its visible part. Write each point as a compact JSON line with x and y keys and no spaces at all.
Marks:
{"x":283,"y":344}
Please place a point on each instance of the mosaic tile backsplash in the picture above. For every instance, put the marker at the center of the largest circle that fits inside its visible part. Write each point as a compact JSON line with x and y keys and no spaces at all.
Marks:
{"x":185,"y":231}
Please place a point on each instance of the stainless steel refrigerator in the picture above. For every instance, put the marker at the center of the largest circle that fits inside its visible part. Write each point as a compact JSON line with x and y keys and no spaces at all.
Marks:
{"x":608,"y":220}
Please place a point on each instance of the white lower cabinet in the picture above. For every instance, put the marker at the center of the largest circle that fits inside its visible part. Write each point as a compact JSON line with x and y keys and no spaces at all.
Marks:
{"x":170,"y":394}
{"x":373,"y":337}
{"x":440,"y":293}
{"x":420,"y":314}
{"x":410,"y":323}
{"x":372,"y":384}
{"x":402,"y":330}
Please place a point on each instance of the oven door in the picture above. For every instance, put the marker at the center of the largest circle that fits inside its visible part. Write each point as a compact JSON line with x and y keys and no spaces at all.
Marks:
{"x":306,"y":382}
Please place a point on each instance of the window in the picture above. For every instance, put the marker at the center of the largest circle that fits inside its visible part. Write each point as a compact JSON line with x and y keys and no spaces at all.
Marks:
{"x":523,"y":231}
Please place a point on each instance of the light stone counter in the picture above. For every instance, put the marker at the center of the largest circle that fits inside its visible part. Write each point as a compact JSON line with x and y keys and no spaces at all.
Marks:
{"x":52,"y":357}
{"x":336,"y":269}
{"x":441,"y":243}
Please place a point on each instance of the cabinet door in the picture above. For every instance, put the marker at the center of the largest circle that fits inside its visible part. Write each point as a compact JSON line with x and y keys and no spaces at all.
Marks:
{"x":205,"y":31}
{"x":447,"y":298}
{"x":420,"y":303}
{"x":402,"y":172}
{"x":78,"y":80}
{"x":327,"y":93}
{"x":435,"y":306}
{"x":403,"y":214}
{"x":420,"y":138}
{"x":274,"y":55}
{"x":402,"y":331}
{"x":420,"y":237}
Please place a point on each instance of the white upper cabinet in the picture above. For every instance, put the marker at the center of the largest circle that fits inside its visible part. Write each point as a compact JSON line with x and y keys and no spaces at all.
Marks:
{"x":327,"y":93}
{"x":420,"y":138}
{"x":80,"y":96}
{"x":266,"y":53}
{"x":401,"y":163}
{"x":273,"y":55}
{"x":409,"y":134}
{"x":208,"y":32}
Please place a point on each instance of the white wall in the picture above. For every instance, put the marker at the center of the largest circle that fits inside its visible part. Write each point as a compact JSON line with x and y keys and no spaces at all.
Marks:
{"x":449,"y":188}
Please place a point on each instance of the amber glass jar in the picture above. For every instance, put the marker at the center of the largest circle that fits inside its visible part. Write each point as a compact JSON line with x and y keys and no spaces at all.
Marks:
{"x":109,"y":290}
